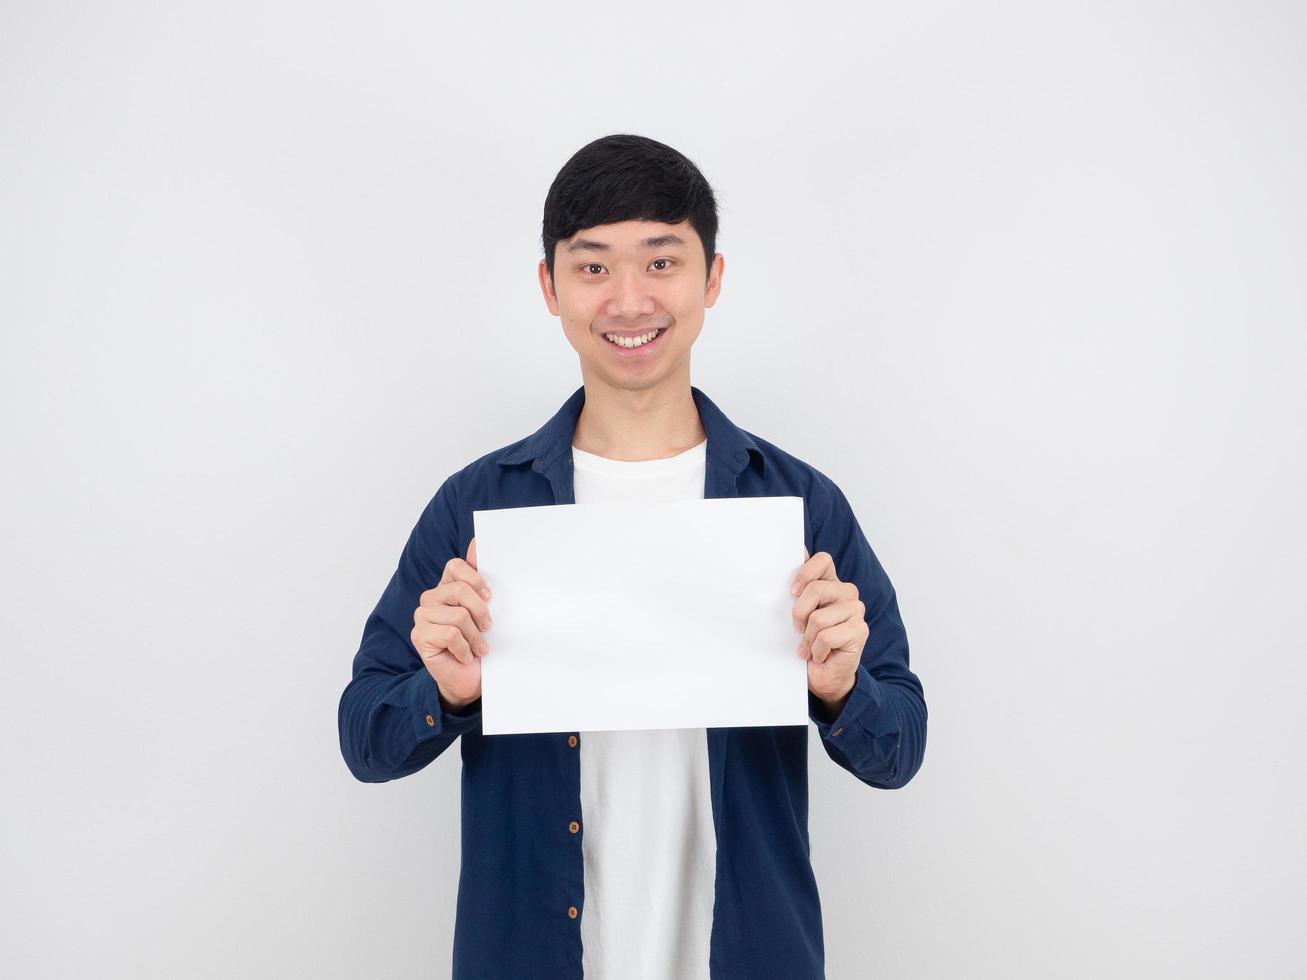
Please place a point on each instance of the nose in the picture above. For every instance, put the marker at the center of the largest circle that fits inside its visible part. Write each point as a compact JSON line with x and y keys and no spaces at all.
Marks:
{"x":630,"y":299}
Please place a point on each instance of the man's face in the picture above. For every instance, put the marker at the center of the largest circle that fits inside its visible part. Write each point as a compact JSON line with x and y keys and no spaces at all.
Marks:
{"x":630,"y":279}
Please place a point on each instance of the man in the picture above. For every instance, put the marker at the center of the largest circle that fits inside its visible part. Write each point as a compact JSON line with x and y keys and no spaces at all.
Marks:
{"x":679,"y":854}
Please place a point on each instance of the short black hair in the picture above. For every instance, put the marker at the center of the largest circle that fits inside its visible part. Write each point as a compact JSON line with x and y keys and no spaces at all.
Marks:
{"x":624,"y":177}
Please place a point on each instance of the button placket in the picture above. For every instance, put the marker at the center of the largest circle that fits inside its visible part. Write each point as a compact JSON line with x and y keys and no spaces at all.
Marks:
{"x":573,"y":826}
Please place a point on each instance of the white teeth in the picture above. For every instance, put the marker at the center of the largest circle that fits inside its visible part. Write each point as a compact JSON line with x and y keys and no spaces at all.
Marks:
{"x":639,"y":341}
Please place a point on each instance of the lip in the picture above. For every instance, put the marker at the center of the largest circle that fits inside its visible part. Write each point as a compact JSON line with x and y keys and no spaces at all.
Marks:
{"x":644,"y":351}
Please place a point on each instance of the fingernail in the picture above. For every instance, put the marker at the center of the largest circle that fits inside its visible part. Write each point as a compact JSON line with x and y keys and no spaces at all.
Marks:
{"x":794,"y":588}
{"x":485,"y":593}
{"x":803,"y":650}
{"x":485,"y":648}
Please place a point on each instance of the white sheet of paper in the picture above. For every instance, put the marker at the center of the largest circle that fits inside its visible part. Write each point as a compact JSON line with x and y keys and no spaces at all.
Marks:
{"x":662,"y":615}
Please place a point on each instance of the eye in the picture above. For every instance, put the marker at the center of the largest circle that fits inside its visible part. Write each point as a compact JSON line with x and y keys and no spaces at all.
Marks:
{"x":656,"y":261}
{"x":591,"y":266}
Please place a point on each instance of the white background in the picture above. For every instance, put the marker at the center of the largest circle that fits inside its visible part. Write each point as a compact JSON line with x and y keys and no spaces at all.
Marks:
{"x":1025,"y":279}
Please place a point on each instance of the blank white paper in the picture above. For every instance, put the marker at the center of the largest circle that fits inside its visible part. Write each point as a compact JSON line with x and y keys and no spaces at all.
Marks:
{"x":609,"y":617}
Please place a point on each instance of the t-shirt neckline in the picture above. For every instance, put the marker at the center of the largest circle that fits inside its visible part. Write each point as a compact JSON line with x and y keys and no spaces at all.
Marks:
{"x":639,"y":467}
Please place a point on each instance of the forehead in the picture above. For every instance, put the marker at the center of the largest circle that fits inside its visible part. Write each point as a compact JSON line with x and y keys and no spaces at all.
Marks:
{"x":632,"y":236}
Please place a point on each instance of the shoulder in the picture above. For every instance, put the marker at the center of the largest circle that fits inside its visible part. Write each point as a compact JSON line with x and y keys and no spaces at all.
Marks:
{"x":502,"y":477}
{"x":487,"y":470}
{"x":786,"y":474}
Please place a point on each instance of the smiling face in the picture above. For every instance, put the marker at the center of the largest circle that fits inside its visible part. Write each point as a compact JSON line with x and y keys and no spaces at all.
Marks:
{"x":631,"y":279}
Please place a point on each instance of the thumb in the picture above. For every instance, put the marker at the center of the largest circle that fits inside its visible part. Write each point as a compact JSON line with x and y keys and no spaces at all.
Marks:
{"x":472,"y":553}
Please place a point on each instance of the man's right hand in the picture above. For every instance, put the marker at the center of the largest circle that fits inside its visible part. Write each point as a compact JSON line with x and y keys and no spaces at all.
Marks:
{"x":448,"y":624}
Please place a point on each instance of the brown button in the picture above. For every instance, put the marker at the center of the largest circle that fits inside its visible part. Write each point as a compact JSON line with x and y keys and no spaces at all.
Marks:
{"x":571,"y":741}
{"x":571,"y":911}
{"x":838,"y":730}
{"x":574,"y":826}
{"x":431,"y":722}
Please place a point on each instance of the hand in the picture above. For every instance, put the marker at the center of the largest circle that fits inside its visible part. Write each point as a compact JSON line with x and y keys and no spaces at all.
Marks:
{"x":832,"y":620}
{"x":447,"y":628}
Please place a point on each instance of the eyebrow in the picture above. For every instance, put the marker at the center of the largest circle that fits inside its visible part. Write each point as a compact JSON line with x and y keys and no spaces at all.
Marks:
{"x":658,"y":241}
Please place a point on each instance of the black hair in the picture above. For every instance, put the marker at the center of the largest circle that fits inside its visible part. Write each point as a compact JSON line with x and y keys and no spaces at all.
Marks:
{"x":623,"y":177}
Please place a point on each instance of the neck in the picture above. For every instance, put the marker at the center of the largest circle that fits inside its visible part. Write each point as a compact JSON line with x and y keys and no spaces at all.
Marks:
{"x":626,"y":425}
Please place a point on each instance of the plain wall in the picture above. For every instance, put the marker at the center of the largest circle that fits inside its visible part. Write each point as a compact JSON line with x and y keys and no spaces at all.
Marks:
{"x":1025,"y":279}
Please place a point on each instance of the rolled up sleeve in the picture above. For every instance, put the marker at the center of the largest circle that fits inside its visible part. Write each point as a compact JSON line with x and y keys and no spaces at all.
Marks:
{"x":880,"y":734}
{"x":390,"y":717}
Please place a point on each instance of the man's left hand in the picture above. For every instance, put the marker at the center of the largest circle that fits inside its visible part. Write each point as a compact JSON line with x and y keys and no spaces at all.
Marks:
{"x":832,"y":620}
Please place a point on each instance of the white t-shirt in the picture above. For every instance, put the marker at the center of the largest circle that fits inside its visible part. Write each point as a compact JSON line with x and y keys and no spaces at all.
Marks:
{"x":646,"y":807}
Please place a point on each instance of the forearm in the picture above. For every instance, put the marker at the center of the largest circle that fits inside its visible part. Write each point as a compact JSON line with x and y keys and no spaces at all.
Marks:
{"x":393,"y":725}
{"x":879,"y":734}
{"x":391,"y":717}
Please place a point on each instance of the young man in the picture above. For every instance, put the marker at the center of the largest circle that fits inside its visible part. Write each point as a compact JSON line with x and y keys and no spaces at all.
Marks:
{"x":679,"y":854}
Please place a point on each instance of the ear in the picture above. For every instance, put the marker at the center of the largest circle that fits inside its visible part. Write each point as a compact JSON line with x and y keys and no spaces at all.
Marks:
{"x":713,"y":287}
{"x":547,"y":287}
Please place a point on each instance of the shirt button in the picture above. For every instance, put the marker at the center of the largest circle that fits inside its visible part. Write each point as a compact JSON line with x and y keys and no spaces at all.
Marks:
{"x":574,"y":826}
{"x":838,"y":730}
{"x":431,"y":722}
{"x":571,"y":911}
{"x":571,"y":741}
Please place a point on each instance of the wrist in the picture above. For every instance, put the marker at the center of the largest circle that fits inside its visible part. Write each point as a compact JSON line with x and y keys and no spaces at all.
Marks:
{"x":831,"y":706}
{"x":452,"y":704}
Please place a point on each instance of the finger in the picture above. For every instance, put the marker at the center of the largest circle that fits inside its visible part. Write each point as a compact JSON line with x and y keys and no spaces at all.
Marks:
{"x":819,"y":566}
{"x":459,"y":648}
{"x":820,"y":592}
{"x":833,"y":639}
{"x":456,"y":569}
{"x":827,"y":616}
{"x":428,"y":642}
{"x":431,"y":640}
{"x":459,"y":616}
{"x":459,"y":593}
{"x":483,"y":588}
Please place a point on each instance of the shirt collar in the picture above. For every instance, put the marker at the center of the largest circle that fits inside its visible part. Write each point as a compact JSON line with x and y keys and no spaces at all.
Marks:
{"x":729,"y":443}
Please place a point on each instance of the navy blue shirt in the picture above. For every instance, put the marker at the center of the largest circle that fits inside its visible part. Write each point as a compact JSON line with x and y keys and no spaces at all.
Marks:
{"x":521,"y":883}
